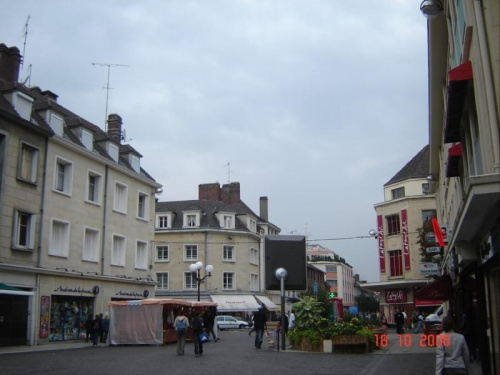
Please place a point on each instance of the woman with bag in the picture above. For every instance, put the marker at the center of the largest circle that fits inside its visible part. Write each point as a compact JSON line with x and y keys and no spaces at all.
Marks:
{"x":452,"y":353}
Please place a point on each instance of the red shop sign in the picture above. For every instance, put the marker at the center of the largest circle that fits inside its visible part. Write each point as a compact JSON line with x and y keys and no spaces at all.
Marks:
{"x":395,"y":296}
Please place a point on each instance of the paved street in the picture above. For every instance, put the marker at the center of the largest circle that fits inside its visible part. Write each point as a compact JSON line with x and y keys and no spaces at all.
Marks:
{"x":233,"y":354}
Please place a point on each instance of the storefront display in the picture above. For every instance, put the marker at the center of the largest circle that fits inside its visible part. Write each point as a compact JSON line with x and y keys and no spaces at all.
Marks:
{"x":67,"y":317}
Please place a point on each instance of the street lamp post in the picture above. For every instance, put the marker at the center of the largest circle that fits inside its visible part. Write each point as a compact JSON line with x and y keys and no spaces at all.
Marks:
{"x":195,"y":270}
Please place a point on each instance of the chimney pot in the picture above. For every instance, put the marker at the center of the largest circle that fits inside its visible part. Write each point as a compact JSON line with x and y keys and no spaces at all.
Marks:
{"x":115,"y":127}
{"x":264,"y":214}
{"x":10,"y":63}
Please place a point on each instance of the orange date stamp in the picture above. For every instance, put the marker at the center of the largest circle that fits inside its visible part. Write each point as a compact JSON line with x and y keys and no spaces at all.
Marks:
{"x":406,"y":340}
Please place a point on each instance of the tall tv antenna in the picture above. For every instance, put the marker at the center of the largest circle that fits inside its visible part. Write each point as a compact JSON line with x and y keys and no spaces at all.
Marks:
{"x":228,"y":165}
{"x":25,"y":31}
{"x":107,"y":89}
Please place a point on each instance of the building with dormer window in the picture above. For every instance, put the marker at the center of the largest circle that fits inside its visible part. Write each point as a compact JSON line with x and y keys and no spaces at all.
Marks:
{"x":76,"y":214}
{"x":217,"y":229}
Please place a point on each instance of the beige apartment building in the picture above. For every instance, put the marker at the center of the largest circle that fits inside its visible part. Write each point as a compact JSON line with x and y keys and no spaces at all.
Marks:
{"x":218,"y":230}
{"x":464,"y":107}
{"x":76,"y":215}
{"x":408,"y":204}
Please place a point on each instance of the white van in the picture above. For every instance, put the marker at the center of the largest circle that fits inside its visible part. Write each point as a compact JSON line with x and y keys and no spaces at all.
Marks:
{"x":437,"y":316}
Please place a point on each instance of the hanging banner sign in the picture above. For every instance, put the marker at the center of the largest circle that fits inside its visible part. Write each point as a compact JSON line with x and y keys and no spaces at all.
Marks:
{"x":433,"y":250}
{"x":381,"y":249}
{"x":406,"y":240}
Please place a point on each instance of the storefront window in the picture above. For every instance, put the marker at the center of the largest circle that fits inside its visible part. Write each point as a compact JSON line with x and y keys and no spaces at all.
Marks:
{"x":67,"y":317}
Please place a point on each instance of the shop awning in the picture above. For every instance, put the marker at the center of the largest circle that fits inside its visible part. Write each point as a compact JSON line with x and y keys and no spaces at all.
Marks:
{"x":7,"y":289}
{"x":270,"y":305}
{"x":454,"y":156}
{"x":235,"y":302}
{"x":458,"y":79}
{"x":439,"y":290}
{"x":423,"y":303}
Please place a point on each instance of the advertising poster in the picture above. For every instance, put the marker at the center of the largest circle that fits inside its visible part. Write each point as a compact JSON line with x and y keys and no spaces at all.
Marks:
{"x":44,"y":317}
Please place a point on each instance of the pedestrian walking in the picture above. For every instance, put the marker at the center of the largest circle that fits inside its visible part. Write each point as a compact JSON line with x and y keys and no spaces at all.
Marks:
{"x":399,"y":319}
{"x":105,"y":328}
{"x":209,"y":321}
{"x":420,"y":323}
{"x":291,"y":324}
{"x":181,"y":325}
{"x":96,"y":329}
{"x":452,"y":353}
{"x":89,"y":326}
{"x":259,"y":323}
{"x":197,"y":325}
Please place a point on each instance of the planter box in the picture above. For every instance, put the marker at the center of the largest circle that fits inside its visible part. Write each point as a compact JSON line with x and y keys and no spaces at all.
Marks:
{"x":306,"y":346}
{"x":351,"y":340}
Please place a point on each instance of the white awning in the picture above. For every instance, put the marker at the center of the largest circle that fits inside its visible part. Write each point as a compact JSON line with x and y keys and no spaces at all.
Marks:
{"x":235,"y":302}
{"x":271,"y":306}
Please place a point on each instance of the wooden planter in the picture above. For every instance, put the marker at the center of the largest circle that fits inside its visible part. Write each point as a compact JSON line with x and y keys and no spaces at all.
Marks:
{"x":351,"y":341}
{"x":306,"y":346}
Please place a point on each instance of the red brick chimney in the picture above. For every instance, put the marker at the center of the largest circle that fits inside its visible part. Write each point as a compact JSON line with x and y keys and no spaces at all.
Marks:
{"x":115,"y":127}
{"x":229,"y":193}
{"x":10,"y":62}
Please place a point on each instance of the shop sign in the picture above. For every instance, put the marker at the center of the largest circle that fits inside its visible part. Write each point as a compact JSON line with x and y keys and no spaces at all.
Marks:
{"x":429,"y":268}
{"x":79,"y":290}
{"x":395,"y":296}
{"x":381,"y":246}
{"x":430,"y":238}
{"x":406,"y":240}
{"x":433,"y":250}
{"x":44,"y":316}
{"x":130,"y":294}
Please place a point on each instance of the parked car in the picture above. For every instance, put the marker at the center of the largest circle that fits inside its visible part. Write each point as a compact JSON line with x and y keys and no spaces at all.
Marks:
{"x":230,"y":322}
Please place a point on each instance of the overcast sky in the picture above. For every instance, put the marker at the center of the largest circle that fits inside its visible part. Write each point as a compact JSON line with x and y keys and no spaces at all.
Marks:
{"x":315,"y":104}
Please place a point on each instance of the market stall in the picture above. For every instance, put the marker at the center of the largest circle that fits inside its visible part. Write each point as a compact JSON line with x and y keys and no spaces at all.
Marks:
{"x":149,"y":321}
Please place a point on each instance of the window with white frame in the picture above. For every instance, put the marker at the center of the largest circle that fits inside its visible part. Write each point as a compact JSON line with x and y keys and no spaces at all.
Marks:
{"x":63,"y":176}
{"x":162,"y":280}
{"x":113,"y":151}
{"x":141,"y":255}
{"x":136,"y":164}
{"x":254,"y":256}
{"x":254,"y":282}
{"x":228,"y":280}
{"x":228,"y":254}
{"x":191,"y":219}
{"x":59,"y":238}
{"x":121,"y":197}
{"x":87,"y":140}
{"x":190,"y":281}
{"x":24,"y":230}
{"x":398,"y":193}
{"x":118,"y":250}
{"x":91,"y":245}
{"x":228,"y":221}
{"x":252,"y":225}
{"x":162,"y":253}
{"x":94,"y":183}
{"x":190,"y":252}
{"x":143,"y":206}
{"x":28,"y":163}
{"x":57,"y":124}
{"x":164,"y":221}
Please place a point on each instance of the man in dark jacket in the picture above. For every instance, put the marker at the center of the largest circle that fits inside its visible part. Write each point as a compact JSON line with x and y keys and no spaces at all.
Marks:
{"x":399,"y":319}
{"x":197,"y":326}
{"x":259,"y":324}
{"x":209,"y":321}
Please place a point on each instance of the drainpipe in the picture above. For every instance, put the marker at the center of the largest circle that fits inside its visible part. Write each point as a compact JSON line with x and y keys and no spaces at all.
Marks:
{"x":105,"y":205}
{"x":488,"y":83}
{"x":42,"y":205}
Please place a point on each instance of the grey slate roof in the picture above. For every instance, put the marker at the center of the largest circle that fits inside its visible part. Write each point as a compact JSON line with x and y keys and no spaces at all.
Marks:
{"x":209,"y":208}
{"x":418,"y":167}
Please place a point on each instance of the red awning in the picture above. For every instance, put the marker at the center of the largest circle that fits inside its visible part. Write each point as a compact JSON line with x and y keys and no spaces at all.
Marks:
{"x":454,"y":156}
{"x":420,"y":302}
{"x":457,"y":88}
{"x":439,"y":290}
{"x":437,"y":232}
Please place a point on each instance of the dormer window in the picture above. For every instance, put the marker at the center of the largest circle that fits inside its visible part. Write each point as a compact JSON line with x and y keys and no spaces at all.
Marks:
{"x":22,"y":103}
{"x":87,"y":140}
{"x":113,"y":151}
{"x":227,"y":220}
{"x":164,"y":220}
{"x":252,"y":225}
{"x":191,"y":219}
{"x":136,"y":163}
{"x":57,"y":124}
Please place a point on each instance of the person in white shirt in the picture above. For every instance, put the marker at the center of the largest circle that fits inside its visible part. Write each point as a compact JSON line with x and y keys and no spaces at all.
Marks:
{"x":452,"y":353}
{"x":291,"y":322}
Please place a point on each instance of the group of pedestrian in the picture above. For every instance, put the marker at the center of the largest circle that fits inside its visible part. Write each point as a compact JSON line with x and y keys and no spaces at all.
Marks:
{"x":97,"y":329}
{"x":202,"y":328}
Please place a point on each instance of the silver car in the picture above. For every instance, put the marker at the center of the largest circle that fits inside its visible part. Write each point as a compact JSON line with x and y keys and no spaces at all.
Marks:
{"x":230,"y":322}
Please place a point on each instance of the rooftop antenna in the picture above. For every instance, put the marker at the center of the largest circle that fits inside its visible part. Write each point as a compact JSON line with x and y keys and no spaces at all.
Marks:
{"x":228,"y":165}
{"x":25,"y":30}
{"x":107,"y":89}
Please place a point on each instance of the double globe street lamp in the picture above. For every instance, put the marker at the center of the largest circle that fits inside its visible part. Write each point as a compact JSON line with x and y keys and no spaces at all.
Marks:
{"x":195,"y":269}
